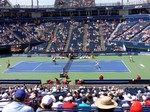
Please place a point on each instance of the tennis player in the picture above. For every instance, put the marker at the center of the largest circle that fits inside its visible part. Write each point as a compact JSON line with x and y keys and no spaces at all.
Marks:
{"x":54,"y":60}
{"x":8,"y":63}
{"x":97,"y":65}
{"x":131,"y":59}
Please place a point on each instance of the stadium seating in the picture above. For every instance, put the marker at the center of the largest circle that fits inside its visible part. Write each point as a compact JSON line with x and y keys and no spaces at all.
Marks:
{"x":76,"y":42}
{"x":93,"y":37}
{"x":7,"y":36}
{"x":130,"y":30}
{"x":78,"y":26}
{"x":60,"y":38}
{"x":143,"y":36}
{"x":76,"y":36}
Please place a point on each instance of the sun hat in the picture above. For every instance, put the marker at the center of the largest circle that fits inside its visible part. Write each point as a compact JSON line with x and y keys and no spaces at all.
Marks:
{"x":105,"y":102}
{"x":47,"y":99}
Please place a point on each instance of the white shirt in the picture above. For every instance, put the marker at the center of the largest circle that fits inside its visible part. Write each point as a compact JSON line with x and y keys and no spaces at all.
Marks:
{"x":57,"y":105}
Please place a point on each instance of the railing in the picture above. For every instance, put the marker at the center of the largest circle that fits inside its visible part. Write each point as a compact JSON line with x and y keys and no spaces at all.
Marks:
{"x":97,"y":4}
{"x":34,"y":6}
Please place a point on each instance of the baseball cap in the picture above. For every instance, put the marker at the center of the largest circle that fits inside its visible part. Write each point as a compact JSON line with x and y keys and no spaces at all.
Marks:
{"x":60,"y":97}
{"x":20,"y":94}
{"x":47,"y":99}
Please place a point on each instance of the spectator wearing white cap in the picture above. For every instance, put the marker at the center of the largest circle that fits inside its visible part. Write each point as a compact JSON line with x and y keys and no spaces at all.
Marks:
{"x":46,"y":103}
{"x":69,"y":104}
{"x":58,"y":104}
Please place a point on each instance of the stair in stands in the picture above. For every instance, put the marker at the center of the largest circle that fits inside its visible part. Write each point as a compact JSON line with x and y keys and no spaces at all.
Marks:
{"x":85,"y":37}
{"x":50,"y":41}
{"x":102,"y":44}
{"x":68,"y":38}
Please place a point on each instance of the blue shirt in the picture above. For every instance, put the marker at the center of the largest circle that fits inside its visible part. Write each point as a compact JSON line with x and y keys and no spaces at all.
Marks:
{"x":84,"y":107}
{"x":17,"y":107}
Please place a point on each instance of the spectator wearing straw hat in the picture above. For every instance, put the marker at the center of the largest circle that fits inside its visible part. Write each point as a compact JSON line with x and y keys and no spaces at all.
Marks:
{"x":105,"y":104}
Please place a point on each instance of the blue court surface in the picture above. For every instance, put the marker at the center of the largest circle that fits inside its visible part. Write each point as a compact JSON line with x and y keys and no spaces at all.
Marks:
{"x":76,"y":66}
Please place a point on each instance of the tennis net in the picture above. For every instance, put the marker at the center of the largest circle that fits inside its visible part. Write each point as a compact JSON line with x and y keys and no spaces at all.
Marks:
{"x":67,"y":66}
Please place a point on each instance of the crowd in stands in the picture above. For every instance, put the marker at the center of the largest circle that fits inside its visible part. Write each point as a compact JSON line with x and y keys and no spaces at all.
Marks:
{"x":143,"y":36}
{"x":93,"y":37}
{"x":3,"y":3}
{"x":128,"y":31}
{"x":7,"y":37}
{"x":76,"y":41}
{"x":17,"y":33}
{"x":86,"y":35}
{"x":59,"y":41}
{"x":89,"y":3}
{"x":74,"y":3}
{"x":62,"y":3}
{"x":56,"y":97}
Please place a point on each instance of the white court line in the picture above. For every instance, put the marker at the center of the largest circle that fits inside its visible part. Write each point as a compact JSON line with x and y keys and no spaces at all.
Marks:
{"x":37,"y":66}
{"x":142,"y":65}
{"x":99,"y":71}
{"x":126,"y":66}
{"x":81,"y":65}
{"x":48,"y":71}
{"x":38,"y":71}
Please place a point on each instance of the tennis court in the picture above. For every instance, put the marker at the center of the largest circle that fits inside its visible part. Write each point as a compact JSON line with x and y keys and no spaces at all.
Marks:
{"x":75,"y":66}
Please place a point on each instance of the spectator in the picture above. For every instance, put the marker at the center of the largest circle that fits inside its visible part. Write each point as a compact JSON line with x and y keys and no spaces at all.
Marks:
{"x":58,"y":104}
{"x":79,"y":82}
{"x":147,"y":102}
{"x":136,"y":107}
{"x":69,"y":104}
{"x":4,"y":101}
{"x":138,"y":77}
{"x":101,"y":77}
{"x":18,"y":104}
{"x":47,"y":102}
{"x":105,"y":104}
{"x":84,"y":103}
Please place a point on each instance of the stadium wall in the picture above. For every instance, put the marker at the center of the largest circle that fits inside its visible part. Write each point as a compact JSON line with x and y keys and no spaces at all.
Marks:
{"x":133,"y":45}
